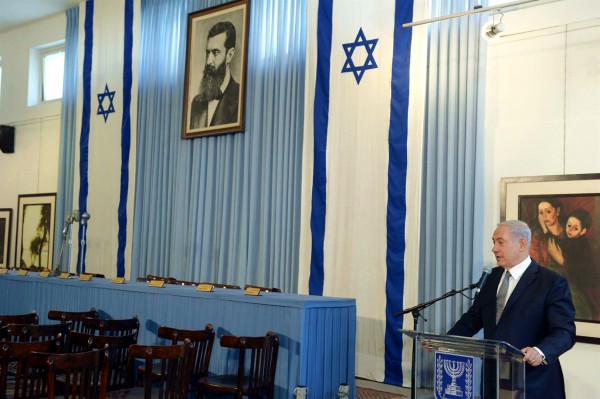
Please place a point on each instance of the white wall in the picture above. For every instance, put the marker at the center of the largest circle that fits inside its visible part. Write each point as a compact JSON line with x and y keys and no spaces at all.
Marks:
{"x":33,"y":168}
{"x":543,"y":118}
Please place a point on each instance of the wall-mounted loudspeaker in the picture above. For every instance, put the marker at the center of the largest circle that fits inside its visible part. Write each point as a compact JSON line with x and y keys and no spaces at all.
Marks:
{"x":7,"y":139}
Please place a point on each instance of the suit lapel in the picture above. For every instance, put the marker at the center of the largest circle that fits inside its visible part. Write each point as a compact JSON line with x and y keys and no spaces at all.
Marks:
{"x":526,"y":279}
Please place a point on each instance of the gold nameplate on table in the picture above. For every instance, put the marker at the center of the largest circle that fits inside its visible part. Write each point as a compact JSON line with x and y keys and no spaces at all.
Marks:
{"x":64,"y":275}
{"x":44,"y":274}
{"x":22,"y":272}
{"x":205,"y":287}
{"x":252,"y":291}
{"x":156,"y":283}
{"x":85,"y":277}
{"x":3,"y":271}
{"x":118,"y":280}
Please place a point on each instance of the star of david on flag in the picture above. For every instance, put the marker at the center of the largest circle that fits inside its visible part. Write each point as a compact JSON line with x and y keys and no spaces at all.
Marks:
{"x":349,"y":49}
{"x":101,"y":97}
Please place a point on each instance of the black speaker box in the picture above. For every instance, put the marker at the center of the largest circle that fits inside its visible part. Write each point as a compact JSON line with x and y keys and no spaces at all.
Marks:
{"x":7,"y":139}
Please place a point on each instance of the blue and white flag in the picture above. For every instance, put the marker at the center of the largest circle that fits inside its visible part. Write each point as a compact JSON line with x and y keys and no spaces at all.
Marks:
{"x":355,"y":167}
{"x":105,"y":155}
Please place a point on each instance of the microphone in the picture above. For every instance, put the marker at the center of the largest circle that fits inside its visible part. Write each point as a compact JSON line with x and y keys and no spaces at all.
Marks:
{"x":484,"y":275}
{"x":85,"y":217}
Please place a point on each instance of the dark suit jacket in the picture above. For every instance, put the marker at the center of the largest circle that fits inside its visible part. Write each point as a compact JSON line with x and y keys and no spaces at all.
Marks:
{"x":226,"y":111}
{"x":539,"y":313}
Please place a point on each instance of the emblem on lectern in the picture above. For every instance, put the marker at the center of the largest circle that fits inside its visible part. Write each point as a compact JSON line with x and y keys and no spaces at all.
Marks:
{"x":453,"y":376}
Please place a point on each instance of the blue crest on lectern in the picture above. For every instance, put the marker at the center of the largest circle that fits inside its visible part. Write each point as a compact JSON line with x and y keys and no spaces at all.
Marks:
{"x":453,"y":376}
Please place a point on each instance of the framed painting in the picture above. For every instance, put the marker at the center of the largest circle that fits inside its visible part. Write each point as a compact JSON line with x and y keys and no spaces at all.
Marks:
{"x":35,"y":231}
{"x":5,"y":225}
{"x":215,"y":70}
{"x":563,"y":213}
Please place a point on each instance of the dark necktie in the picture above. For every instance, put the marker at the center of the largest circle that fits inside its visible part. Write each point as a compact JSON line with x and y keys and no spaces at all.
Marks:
{"x":501,"y":297}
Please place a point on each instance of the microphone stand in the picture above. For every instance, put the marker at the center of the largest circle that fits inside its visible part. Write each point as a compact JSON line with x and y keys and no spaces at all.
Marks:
{"x":65,"y":232}
{"x":416,"y":313}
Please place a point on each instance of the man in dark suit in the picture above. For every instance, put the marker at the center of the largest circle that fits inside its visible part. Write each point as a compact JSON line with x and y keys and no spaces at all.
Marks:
{"x":532,"y":310}
{"x":218,"y":98}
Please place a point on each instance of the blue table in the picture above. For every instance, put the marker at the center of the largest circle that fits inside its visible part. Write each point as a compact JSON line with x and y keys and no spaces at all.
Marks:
{"x":317,"y":334}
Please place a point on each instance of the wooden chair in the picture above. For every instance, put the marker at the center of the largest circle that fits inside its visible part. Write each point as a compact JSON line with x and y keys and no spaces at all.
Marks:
{"x":112,"y":327}
{"x":227,"y":286}
{"x":201,"y":342}
{"x":118,"y":347}
{"x":35,"y":332}
{"x":182,"y":282}
{"x":27,"y":318}
{"x":151,"y":277}
{"x":263,"y":289}
{"x":174,"y":377}
{"x":259,"y":382}
{"x":83,"y":375}
{"x":76,"y":318}
{"x":15,"y":353}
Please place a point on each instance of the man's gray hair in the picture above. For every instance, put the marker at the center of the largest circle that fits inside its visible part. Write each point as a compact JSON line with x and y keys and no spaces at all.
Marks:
{"x":518,"y":229}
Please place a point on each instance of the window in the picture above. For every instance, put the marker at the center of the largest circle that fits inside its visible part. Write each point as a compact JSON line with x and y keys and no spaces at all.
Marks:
{"x":46,"y":68}
{"x":53,"y":65}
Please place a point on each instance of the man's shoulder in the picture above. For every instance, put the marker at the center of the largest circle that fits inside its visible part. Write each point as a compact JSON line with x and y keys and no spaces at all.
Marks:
{"x":545,"y":272}
{"x":233,"y":87}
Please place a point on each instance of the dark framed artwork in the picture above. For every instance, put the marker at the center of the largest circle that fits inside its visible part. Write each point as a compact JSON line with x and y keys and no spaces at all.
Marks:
{"x":215,"y":70}
{"x":5,"y":225}
{"x":35,"y":231}
{"x":563,"y":213}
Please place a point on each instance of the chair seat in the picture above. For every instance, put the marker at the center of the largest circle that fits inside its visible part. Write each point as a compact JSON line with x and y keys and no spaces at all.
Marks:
{"x":129,"y":393}
{"x":223,"y":383}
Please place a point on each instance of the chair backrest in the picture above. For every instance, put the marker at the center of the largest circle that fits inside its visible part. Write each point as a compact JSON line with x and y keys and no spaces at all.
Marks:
{"x":202,"y":344}
{"x":76,"y":318}
{"x":118,"y":346}
{"x":228,"y":286}
{"x":264,"y":289}
{"x":173,"y":362}
{"x":17,"y":352}
{"x":27,"y":318}
{"x":35,"y":332}
{"x":84,"y":374}
{"x":112,"y":327}
{"x":260,"y":379}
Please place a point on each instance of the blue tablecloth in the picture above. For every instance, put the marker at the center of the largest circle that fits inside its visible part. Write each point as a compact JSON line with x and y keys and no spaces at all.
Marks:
{"x":317,"y":334}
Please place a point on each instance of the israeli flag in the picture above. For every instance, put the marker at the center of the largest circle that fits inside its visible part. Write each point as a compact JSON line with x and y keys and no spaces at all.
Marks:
{"x":106,"y":115}
{"x":355,"y":157}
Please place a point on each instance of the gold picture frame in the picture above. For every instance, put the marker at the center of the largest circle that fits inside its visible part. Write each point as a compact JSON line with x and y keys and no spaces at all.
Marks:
{"x":577,"y":257}
{"x":5,"y":228}
{"x":35,"y":231}
{"x":215,"y":70}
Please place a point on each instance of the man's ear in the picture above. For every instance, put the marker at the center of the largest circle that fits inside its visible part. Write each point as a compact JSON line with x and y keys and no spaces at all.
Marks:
{"x":583,"y":231}
{"x":230,"y":54}
{"x":522,"y":243}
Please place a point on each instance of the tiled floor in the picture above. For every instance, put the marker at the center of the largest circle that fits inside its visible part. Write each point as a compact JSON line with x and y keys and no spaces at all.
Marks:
{"x":366,"y":389}
{"x":365,"y":393}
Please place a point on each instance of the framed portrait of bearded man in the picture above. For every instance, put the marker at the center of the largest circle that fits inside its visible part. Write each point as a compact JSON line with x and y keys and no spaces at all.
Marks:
{"x":215,"y":72}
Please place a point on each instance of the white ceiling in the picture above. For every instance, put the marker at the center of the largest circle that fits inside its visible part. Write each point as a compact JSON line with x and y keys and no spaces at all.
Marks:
{"x":18,"y":12}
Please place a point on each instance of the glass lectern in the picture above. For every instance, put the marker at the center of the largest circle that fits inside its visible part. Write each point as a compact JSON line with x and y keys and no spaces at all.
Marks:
{"x":447,"y":366}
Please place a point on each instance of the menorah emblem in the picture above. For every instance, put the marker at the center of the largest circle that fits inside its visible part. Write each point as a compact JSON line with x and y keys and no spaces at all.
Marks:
{"x":454,"y":369}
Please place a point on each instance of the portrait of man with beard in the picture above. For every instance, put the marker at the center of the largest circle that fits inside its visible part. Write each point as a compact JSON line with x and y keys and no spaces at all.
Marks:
{"x":217,"y":101}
